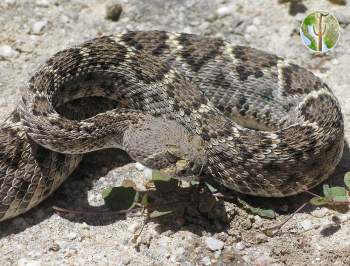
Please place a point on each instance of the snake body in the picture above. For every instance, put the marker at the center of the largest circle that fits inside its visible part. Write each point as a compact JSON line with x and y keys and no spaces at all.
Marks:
{"x":255,"y":122}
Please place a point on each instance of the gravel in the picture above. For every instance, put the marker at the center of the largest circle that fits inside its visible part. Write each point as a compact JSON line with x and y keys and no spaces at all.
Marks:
{"x":225,"y":234}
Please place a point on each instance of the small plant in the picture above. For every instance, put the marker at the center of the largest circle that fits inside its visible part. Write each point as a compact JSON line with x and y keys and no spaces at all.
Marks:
{"x":333,"y":196}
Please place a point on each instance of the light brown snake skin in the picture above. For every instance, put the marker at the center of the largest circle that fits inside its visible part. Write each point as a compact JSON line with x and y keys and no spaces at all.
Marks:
{"x":254,"y":122}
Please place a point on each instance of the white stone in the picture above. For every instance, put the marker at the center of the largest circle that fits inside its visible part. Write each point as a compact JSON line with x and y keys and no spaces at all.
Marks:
{"x":139,"y":166}
{"x":306,"y":224}
{"x":214,"y":244}
{"x":72,"y":236}
{"x":256,"y":21}
{"x":147,"y":172}
{"x":38,"y":26}
{"x":246,"y":259}
{"x":85,"y":226}
{"x":251,"y":29}
{"x":240,"y":246}
{"x":28,"y":262}
{"x":133,"y":227}
{"x":335,"y":61}
{"x":43,"y":3}
{"x":64,"y":19}
{"x":7,"y":51}
{"x":299,"y":17}
{"x":321,"y":212}
{"x":224,"y":11}
{"x":263,"y":261}
{"x":206,"y":261}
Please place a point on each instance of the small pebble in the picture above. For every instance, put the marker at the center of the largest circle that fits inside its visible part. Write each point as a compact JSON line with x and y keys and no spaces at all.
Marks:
{"x":217,"y":254}
{"x":335,"y":61}
{"x":322,"y":212}
{"x":38,"y":27}
{"x":85,"y":226}
{"x":258,"y":221}
{"x":35,"y":253}
{"x":43,"y":3}
{"x":28,"y":262}
{"x":251,"y":29}
{"x":64,"y":19}
{"x":133,"y":227}
{"x":71,"y":236}
{"x":206,"y":261}
{"x":139,"y":166}
{"x":147,"y":172}
{"x":126,"y":260}
{"x":263,"y":261}
{"x":113,"y":12}
{"x":7,"y":51}
{"x":247,"y":259}
{"x":261,"y":238}
{"x":299,"y":17}
{"x":214,"y":244}
{"x":306,"y":224}
{"x":54,"y":247}
{"x":240,"y":246}
{"x":224,"y":11}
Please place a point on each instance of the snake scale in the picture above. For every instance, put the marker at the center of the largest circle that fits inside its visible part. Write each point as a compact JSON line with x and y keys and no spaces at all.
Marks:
{"x":253,"y":121}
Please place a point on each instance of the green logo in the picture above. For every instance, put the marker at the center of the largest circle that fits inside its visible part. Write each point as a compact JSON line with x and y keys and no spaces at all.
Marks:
{"x":320,"y":31}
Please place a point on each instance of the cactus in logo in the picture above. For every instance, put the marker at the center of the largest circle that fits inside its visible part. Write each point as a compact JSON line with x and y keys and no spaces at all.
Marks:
{"x":321,"y":30}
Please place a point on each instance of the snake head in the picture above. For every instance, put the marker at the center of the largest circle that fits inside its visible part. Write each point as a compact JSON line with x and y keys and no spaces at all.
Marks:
{"x":166,"y":146}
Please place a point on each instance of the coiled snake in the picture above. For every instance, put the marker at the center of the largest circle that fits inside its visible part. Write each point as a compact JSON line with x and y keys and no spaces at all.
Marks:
{"x":187,"y":104}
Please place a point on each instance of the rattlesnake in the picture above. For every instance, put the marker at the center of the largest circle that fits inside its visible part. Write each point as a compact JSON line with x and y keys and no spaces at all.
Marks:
{"x":253,"y":121}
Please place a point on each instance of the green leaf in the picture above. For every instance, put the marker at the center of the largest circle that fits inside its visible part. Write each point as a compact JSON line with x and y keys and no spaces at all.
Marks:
{"x":211,"y":188}
{"x":157,"y":213}
{"x":120,"y":198}
{"x":339,"y":194}
{"x":268,"y":213}
{"x":319,"y":201}
{"x":194,"y":182}
{"x":347,"y":180}
{"x":158,"y":176}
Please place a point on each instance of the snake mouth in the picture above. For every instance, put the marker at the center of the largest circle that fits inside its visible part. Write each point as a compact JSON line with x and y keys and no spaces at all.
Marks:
{"x":183,"y":169}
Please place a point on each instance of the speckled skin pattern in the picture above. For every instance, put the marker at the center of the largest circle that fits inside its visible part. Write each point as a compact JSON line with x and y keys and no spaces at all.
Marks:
{"x":253,"y":121}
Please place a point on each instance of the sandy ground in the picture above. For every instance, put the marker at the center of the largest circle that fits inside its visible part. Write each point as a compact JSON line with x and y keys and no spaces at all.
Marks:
{"x":32,"y":30}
